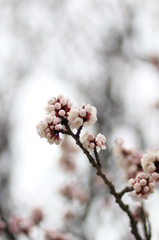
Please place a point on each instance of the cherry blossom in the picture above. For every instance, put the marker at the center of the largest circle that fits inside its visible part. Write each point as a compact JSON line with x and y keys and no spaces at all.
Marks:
{"x":90,"y":142}
{"x":143,"y":186}
{"x":50,"y":128}
{"x":128,"y":159}
{"x":59,"y":107}
{"x":85,"y":115}
{"x":150,"y":164}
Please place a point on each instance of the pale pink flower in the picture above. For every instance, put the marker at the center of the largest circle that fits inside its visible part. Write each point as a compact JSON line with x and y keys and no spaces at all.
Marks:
{"x":82,"y":112}
{"x":60,"y":96}
{"x":62,"y":113}
{"x":51,"y":101}
{"x":87,"y":139}
{"x":78,"y":122}
{"x":18,"y":225}
{"x":40,"y":127}
{"x":59,"y":107}
{"x":56,"y":235}
{"x":63,"y":101}
{"x":91,"y":115}
{"x":100,"y":142}
{"x":150,"y":164}
{"x":50,"y":128}
{"x":87,"y":114}
{"x":90,"y":142}
{"x":74,"y":191}
{"x":155,"y":176}
{"x":37,"y":216}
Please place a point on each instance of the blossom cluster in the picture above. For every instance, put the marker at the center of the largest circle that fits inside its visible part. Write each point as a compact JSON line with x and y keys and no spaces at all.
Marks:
{"x":61,"y":113}
{"x":56,"y":235}
{"x":150,"y":164}
{"x":74,"y":191}
{"x":89,"y":142}
{"x":68,"y":156}
{"x":84,"y":115}
{"x":128,"y":159}
{"x":56,"y":110}
{"x":59,"y":107}
{"x":19,"y":225}
{"x":143,"y":185}
{"x":50,"y":128}
{"x":149,"y":176}
{"x":141,"y":170}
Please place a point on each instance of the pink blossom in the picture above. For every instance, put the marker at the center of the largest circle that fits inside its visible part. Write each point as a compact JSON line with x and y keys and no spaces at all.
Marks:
{"x":143,"y":186}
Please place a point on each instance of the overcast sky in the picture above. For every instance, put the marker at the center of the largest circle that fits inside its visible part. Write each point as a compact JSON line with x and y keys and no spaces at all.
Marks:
{"x":49,"y":48}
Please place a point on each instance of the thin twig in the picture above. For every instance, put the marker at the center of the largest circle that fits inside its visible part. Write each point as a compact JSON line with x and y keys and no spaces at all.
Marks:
{"x":149,"y":227}
{"x":125,"y":190}
{"x":147,"y":231}
{"x":97,"y":157}
{"x":79,"y":131}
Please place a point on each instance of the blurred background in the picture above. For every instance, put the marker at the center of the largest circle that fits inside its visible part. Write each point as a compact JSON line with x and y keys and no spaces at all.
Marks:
{"x":105,"y":53}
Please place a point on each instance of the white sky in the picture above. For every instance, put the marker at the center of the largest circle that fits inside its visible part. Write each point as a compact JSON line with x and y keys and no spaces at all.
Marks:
{"x":36,"y":173}
{"x":35,"y":161}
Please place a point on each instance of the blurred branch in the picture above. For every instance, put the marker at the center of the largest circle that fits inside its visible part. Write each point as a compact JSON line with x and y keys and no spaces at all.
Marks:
{"x":144,"y":218}
{"x":7,"y":231}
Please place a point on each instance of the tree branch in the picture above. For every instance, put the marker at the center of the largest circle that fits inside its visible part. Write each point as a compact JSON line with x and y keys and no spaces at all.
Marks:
{"x":124,"y":207}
